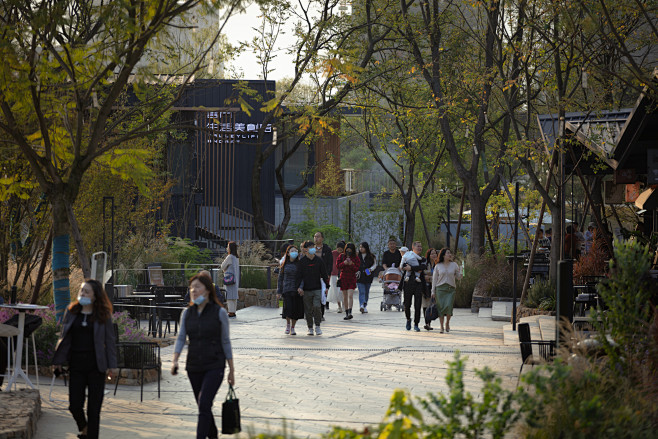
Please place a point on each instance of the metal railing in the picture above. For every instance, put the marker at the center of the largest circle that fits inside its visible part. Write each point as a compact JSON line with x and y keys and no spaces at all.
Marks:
{"x":251,"y":276}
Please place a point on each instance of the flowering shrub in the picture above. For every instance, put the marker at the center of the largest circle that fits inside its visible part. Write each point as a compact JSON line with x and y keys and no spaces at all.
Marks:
{"x":128,"y":329}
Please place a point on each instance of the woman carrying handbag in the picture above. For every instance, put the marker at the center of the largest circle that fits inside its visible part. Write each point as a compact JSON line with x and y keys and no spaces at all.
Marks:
{"x":231,"y":269}
{"x":205,"y":321}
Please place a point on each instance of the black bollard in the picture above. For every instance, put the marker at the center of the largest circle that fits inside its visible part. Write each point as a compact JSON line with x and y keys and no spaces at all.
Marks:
{"x":14,"y":290}
{"x":564,"y":295}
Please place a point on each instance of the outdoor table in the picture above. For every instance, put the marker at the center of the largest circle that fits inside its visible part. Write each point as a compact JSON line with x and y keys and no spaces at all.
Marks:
{"x":585,"y":297}
{"x":22,"y":308}
{"x":154,"y":314}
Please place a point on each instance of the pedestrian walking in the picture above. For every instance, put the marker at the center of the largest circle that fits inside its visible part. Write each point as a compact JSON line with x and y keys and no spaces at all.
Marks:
{"x":348,"y":266}
{"x":88,"y":346}
{"x":367,"y":265}
{"x":324,"y":252}
{"x":446,"y":273}
{"x":392,"y":257}
{"x":431,"y":257}
{"x":231,"y":266}
{"x":205,"y":323}
{"x":335,"y":295}
{"x":413,"y":264}
{"x":293,"y":303}
{"x":310,"y":275}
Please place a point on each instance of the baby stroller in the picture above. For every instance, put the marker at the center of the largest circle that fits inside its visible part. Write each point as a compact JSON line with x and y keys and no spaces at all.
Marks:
{"x":391,"y":284}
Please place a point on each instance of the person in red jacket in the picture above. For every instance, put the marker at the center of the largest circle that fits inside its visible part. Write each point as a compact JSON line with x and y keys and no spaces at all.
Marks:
{"x":348,"y":265}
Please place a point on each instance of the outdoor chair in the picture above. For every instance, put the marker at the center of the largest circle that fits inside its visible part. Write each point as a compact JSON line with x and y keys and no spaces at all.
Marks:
{"x":546,"y":349}
{"x":139,"y":356}
{"x":32,"y":323}
{"x":9,"y":332}
{"x":171,"y":312}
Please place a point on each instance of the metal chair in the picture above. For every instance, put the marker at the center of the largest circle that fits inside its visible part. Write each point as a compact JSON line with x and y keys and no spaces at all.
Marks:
{"x":32,"y":323}
{"x":140,"y":356}
{"x":546,"y":349}
{"x":9,"y":332}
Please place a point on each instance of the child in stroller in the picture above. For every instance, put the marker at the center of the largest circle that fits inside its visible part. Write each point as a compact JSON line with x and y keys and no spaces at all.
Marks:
{"x":392,"y":295}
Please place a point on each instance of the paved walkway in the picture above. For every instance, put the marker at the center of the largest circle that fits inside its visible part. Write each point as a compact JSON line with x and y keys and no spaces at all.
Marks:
{"x":343,"y":377}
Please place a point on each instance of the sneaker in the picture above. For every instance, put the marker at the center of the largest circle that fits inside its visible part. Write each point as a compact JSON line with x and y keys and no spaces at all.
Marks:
{"x":340,"y":310}
{"x":287,"y":330}
{"x":365,"y":310}
{"x":350,"y":317}
{"x":416,"y":328}
{"x":318,"y":331}
{"x":310,"y":331}
{"x":323,"y":318}
{"x":347,"y":317}
{"x":408,"y":325}
{"x":292,"y":331}
{"x":361,"y":309}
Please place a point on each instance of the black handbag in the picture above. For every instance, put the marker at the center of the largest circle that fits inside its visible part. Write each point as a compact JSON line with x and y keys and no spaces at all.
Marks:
{"x":231,"y":413}
{"x":432,"y":312}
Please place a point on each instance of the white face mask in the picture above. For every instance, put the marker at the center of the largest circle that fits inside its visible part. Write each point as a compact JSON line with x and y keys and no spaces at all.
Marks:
{"x":84,"y":301}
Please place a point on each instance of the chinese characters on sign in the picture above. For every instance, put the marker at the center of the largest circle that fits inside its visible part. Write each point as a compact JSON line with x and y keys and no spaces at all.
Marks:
{"x":238,"y":130}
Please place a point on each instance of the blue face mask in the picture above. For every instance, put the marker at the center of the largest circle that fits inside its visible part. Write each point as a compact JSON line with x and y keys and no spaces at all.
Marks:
{"x":311,"y":250}
{"x":293,"y":255}
{"x":84,"y":301}
{"x":199,"y":300}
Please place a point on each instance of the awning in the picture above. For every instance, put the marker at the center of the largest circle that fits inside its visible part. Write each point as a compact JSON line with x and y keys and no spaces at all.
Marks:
{"x":647,"y":200}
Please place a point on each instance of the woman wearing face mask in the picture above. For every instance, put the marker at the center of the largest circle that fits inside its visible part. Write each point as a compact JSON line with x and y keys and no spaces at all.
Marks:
{"x":206,"y":323}
{"x":87,"y":344}
{"x":293,"y":302}
{"x":368,"y":263}
{"x":348,"y":266}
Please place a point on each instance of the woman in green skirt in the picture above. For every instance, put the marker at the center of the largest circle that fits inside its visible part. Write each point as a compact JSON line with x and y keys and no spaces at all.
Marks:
{"x":446,"y":273}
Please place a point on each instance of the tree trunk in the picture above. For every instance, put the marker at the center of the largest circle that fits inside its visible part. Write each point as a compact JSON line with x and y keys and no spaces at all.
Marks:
{"x":478,"y":219}
{"x":256,"y":199}
{"x":410,"y":221}
{"x":79,"y":244}
{"x":556,"y":243}
{"x":45,"y":255}
{"x":61,"y":256}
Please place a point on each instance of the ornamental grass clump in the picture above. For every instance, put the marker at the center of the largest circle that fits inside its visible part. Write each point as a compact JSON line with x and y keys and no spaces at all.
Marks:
{"x":611,"y":388}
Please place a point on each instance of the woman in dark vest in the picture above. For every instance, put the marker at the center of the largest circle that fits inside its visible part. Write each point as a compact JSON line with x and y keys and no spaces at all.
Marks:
{"x":293,"y":303}
{"x":205,"y":321}
{"x":87,"y":344}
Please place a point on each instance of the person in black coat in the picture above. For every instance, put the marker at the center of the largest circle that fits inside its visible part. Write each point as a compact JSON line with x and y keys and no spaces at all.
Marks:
{"x":365,"y":274}
{"x":293,"y":303}
{"x":87,"y":345}
{"x":413,"y":285}
{"x":326,"y":254}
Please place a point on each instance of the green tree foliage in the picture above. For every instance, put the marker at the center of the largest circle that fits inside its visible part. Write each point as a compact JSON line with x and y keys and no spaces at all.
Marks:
{"x":332,"y":50}
{"x":73,"y":91}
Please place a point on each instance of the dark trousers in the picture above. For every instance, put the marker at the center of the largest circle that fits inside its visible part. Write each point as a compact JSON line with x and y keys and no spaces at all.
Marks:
{"x":417,"y":295}
{"x":205,"y":386}
{"x":313,"y":307}
{"x":94,"y":381}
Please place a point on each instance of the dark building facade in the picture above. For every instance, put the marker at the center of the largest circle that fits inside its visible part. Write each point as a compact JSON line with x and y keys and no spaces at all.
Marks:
{"x":211,"y":164}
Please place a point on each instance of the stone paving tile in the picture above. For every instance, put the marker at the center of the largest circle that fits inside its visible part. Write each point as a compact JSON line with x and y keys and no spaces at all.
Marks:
{"x":344,"y":377}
